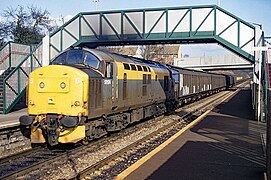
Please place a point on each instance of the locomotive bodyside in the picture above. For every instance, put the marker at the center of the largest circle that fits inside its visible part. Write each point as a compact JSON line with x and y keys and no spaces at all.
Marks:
{"x":87,"y":93}
{"x":74,"y":100}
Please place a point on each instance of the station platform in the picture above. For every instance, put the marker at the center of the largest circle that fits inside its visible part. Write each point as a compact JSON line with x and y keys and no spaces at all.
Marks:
{"x":225,"y":144}
{"x":11,"y":119}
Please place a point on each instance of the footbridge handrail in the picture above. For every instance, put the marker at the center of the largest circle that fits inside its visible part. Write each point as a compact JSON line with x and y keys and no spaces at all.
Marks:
{"x":11,"y":54}
{"x":15,"y":83}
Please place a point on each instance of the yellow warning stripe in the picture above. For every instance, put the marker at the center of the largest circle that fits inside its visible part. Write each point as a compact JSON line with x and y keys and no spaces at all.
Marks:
{"x":141,"y":161}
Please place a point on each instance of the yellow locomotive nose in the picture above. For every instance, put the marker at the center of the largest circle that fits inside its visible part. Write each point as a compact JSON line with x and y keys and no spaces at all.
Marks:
{"x":57,"y":99}
{"x":58,"y":90}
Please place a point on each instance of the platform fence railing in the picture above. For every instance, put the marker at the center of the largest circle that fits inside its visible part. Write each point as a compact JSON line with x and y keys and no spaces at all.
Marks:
{"x":15,"y":83}
{"x":12,"y":54}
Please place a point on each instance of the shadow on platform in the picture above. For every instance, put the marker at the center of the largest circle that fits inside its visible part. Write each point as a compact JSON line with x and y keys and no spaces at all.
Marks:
{"x":226,"y":144}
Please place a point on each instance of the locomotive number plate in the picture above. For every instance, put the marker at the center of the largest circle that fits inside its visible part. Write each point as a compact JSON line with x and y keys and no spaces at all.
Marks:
{"x":107,"y":81}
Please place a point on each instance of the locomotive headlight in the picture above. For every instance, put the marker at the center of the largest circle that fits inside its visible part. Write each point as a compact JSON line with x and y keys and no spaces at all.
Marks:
{"x":42,"y":85}
{"x":62,"y":85}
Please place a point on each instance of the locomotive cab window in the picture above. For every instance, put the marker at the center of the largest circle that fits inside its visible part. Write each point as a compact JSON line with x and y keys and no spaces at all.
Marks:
{"x":91,"y":60}
{"x":61,"y":59}
{"x":133,"y":67}
{"x":139,"y":67}
{"x":145,"y":68}
{"x":79,"y":56}
{"x":75,"y":57}
{"x":126,"y":66}
{"x":109,"y":70}
{"x":70,"y":57}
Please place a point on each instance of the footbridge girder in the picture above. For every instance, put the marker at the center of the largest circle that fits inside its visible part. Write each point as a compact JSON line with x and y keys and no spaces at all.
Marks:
{"x":192,"y":24}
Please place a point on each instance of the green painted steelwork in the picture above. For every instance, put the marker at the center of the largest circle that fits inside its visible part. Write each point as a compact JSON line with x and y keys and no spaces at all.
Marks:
{"x":203,"y":21}
{"x":154,"y":25}
{"x":9,"y":56}
{"x":265,"y":81}
{"x":6,"y":53}
{"x":15,"y":83}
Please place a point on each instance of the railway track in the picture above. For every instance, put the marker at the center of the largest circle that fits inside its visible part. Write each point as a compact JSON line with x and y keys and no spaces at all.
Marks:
{"x":12,"y":141}
{"x":26,"y":162}
{"x":13,"y":157}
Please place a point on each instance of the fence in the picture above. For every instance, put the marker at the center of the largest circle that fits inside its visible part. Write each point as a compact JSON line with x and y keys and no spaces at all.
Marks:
{"x":24,"y":61}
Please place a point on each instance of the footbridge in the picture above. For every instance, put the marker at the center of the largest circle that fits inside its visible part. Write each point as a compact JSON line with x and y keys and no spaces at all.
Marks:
{"x":191,"y":24}
{"x":196,"y":24}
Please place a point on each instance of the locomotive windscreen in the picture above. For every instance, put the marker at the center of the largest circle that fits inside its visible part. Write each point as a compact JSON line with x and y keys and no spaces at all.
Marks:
{"x":77,"y":56}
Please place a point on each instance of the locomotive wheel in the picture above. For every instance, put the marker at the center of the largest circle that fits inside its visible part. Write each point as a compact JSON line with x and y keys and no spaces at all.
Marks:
{"x":85,"y":141}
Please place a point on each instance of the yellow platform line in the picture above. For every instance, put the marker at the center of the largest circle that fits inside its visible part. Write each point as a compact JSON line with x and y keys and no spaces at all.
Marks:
{"x":141,"y":161}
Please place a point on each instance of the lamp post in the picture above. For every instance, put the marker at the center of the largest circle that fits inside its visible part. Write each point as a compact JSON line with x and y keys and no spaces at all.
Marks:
{"x":96,"y":4}
{"x":260,"y":76}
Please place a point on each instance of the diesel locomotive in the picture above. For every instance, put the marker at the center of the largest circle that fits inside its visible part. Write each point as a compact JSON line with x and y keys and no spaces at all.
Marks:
{"x":86,"y":93}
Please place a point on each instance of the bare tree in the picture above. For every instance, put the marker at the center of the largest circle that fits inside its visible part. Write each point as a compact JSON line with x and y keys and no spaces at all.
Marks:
{"x":25,"y":25}
{"x":151,"y":51}
{"x":1,"y":37}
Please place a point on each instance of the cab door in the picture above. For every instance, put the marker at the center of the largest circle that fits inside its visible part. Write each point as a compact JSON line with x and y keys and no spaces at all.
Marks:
{"x":114,"y":90}
{"x":108,"y":87}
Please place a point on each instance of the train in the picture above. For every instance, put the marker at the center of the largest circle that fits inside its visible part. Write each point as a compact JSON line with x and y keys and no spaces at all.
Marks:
{"x":85,"y":94}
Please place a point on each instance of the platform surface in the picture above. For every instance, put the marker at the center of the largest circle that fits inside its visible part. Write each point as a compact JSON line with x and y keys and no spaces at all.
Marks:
{"x":11,"y":119}
{"x":226,"y":144}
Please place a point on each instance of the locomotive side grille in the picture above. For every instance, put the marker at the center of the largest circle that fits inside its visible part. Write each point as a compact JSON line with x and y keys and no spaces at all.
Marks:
{"x":144,"y":90}
{"x":166,"y":83}
{"x":124,"y":90}
{"x":95,"y":91}
{"x":98,"y":100}
{"x":92,"y":93}
{"x":125,"y":86}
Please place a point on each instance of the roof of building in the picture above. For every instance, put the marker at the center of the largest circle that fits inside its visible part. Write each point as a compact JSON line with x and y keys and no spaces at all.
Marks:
{"x":125,"y":50}
{"x":172,"y":49}
{"x":131,"y":50}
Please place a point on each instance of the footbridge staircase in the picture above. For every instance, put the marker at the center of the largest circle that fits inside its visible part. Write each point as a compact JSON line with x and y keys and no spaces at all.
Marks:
{"x":190,"y":24}
{"x":16,"y":62}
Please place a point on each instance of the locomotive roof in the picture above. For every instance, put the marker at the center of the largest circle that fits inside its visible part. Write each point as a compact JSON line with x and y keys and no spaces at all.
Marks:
{"x":101,"y":54}
{"x":192,"y":70}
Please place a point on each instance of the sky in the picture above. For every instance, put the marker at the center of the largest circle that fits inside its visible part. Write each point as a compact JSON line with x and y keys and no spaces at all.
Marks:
{"x":252,"y":11}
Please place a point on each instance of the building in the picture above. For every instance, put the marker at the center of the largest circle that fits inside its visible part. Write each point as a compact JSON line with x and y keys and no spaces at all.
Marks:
{"x":167,"y":53}
{"x":161,"y":53}
{"x":227,"y":61}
